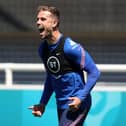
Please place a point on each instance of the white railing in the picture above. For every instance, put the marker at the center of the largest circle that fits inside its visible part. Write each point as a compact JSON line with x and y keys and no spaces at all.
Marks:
{"x":9,"y":68}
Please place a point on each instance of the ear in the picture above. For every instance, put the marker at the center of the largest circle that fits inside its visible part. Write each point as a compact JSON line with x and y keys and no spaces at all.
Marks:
{"x":55,"y":23}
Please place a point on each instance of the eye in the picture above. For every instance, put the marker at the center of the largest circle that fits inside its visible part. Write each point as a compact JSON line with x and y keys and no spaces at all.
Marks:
{"x":43,"y":19}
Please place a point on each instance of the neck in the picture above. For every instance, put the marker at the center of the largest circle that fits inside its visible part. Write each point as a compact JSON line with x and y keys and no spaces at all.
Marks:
{"x":54,"y":38}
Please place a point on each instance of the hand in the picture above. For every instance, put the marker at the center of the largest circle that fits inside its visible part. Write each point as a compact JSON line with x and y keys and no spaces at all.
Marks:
{"x":37,"y":110}
{"x":75,"y":104}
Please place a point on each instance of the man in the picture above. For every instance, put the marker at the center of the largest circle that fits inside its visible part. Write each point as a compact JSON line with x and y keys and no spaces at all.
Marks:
{"x":65,"y":61}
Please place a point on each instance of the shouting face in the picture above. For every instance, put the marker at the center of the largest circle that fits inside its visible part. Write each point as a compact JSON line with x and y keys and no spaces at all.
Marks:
{"x":46,"y":24}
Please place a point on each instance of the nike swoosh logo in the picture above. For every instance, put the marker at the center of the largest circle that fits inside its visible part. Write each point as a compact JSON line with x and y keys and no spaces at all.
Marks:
{"x":58,"y":54}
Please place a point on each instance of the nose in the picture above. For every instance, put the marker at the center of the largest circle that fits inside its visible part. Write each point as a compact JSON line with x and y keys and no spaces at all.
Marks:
{"x":38,"y":22}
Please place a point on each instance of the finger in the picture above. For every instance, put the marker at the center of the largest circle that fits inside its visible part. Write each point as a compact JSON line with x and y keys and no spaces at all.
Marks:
{"x":31,"y":107}
{"x":71,"y":104}
{"x":71,"y":98}
{"x":36,"y":113}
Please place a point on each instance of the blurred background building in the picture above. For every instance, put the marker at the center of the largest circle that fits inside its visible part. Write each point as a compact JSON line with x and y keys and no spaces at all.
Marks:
{"x":99,"y":25}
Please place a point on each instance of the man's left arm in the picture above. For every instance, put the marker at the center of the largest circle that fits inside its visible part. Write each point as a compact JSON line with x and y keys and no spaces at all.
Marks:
{"x":85,"y":62}
{"x":93,"y":74}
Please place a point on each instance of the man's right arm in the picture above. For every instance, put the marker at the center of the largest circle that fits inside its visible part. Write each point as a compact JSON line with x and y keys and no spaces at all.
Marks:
{"x":38,"y":109}
{"x":47,"y":92}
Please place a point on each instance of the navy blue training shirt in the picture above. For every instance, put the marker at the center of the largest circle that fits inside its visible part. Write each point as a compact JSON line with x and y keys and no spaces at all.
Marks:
{"x":71,"y":84}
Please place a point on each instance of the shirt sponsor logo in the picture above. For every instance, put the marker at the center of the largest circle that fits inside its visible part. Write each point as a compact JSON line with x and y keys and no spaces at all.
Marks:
{"x":58,"y":54}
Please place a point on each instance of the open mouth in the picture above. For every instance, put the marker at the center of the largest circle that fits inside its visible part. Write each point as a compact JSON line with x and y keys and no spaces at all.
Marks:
{"x":41,"y":29}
